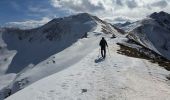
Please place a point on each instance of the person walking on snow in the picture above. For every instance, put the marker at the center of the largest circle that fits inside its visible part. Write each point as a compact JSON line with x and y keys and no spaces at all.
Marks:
{"x":103,"y":45}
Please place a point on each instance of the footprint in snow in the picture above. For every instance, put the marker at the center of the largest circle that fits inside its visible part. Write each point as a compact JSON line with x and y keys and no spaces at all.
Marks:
{"x":83,"y":90}
{"x":51,"y":91}
{"x":71,"y":75}
{"x":79,"y":74}
{"x":64,"y":86}
{"x":103,"y":98}
{"x":100,"y":89}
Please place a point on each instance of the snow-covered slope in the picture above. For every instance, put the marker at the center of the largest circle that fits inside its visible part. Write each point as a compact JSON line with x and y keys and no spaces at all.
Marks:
{"x":118,"y":77}
{"x":153,"y":32}
{"x":36,"y":53}
{"x":36,"y":45}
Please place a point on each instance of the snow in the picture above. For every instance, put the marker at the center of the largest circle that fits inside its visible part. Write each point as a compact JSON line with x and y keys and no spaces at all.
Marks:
{"x":6,"y":57}
{"x":30,"y":55}
{"x":5,"y":80}
{"x":47,"y":67}
{"x":118,"y":77}
{"x":55,"y":63}
{"x":61,"y":61}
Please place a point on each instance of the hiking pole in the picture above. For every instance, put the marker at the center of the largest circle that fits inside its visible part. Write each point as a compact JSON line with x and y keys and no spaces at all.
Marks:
{"x":108,"y":51}
{"x":99,"y":53}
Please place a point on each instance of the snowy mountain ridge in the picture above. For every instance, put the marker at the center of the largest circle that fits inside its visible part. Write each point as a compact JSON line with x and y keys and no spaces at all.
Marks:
{"x":61,"y":61}
{"x":118,"y":77}
{"x":29,"y":53}
{"x":152,"y":32}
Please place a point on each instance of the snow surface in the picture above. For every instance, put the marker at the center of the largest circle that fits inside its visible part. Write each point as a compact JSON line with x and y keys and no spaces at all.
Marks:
{"x":118,"y":77}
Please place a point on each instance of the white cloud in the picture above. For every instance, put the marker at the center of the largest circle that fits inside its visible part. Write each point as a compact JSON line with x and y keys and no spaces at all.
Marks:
{"x":29,"y":24}
{"x":161,"y":4}
{"x":132,"y":9}
{"x":79,"y":5}
{"x":38,"y":9}
{"x":131,"y":4}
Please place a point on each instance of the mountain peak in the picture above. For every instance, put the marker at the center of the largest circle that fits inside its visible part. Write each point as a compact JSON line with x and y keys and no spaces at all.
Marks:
{"x":158,"y":15}
{"x":82,"y":17}
{"x":83,"y":14}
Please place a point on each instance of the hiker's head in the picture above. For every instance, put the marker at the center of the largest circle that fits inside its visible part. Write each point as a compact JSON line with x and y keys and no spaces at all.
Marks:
{"x":102,"y":38}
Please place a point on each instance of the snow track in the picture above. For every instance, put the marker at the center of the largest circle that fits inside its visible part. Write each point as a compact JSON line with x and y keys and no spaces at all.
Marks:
{"x":118,"y":77}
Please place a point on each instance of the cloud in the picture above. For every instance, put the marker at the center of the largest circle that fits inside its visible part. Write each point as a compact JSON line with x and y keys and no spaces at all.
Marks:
{"x":105,"y":9}
{"x":38,"y":9}
{"x":29,"y":24}
{"x":161,"y":4}
{"x":79,"y":5}
{"x":119,"y":2}
{"x":132,"y":9}
{"x":119,"y":20}
{"x":131,"y":4}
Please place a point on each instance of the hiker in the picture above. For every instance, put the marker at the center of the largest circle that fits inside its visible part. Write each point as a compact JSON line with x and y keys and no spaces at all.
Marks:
{"x":103,"y":45}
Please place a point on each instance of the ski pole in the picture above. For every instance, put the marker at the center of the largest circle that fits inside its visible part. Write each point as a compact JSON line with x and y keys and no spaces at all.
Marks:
{"x":108,"y":51}
{"x":99,"y":53}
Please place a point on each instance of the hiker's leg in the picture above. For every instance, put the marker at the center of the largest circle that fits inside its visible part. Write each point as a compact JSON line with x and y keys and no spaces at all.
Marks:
{"x":104,"y":52}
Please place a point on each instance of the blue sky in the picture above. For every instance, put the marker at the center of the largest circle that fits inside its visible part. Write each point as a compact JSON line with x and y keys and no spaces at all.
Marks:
{"x":20,"y":11}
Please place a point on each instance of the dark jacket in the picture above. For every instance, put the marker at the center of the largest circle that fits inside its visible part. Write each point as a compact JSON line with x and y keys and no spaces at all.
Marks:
{"x":103,"y":44}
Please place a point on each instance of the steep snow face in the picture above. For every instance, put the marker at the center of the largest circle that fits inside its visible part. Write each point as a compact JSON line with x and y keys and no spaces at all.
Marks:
{"x":6,"y":57}
{"x":34,"y":46}
{"x":153,"y":33}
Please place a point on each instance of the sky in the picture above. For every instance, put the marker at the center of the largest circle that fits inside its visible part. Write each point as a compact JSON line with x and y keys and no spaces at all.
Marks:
{"x":41,"y":11}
